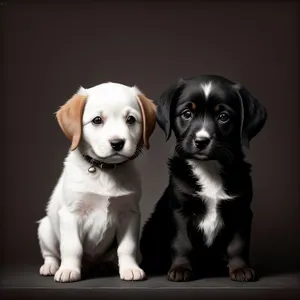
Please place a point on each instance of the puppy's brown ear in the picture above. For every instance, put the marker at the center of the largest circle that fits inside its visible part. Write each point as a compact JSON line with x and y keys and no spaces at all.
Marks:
{"x":69,"y":118}
{"x":148,"y":110}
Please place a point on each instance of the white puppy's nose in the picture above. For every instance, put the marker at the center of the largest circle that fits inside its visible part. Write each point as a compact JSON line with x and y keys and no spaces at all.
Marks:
{"x":117,"y":144}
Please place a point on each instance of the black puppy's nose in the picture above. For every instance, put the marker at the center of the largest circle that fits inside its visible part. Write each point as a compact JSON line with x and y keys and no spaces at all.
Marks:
{"x":117,"y":144}
{"x":202,"y":142}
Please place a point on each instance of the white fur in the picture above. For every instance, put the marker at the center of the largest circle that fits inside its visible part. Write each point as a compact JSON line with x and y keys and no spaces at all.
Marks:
{"x":202,"y":134}
{"x":212,"y":192}
{"x":86,"y":210}
{"x":113,"y":102}
{"x":207,"y":88}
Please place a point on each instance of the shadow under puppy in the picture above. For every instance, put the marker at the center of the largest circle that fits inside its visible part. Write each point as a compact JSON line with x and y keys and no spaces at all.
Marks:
{"x":95,"y":203}
{"x":202,"y":223}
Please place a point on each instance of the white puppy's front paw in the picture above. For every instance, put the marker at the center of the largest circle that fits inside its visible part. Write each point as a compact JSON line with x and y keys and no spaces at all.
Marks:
{"x":67,"y":275}
{"x":48,"y":269}
{"x":132,"y":274}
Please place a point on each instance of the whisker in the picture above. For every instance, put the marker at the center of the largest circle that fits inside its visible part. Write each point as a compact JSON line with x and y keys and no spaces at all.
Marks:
{"x":179,"y":146}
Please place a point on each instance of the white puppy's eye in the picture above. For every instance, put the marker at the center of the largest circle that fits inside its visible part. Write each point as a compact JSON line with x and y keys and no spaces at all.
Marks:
{"x":97,"y":120}
{"x":224,"y":117}
{"x":130,"y":120}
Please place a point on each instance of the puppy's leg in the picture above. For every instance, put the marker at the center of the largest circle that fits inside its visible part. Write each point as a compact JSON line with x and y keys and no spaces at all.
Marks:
{"x":181,"y":269}
{"x":49,"y":247}
{"x":238,"y":252}
{"x":128,"y":246}
{"x":70,"y":248}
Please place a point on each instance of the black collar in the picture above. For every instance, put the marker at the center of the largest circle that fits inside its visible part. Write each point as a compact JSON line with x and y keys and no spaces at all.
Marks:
{"x":99,"y":164}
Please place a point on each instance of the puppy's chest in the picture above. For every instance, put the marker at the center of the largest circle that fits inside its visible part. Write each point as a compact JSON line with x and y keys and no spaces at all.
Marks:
{"x":93,"y":212}
{"x":91,"y":205}
{"x":211,"y":194}
{"x":96,"y":223}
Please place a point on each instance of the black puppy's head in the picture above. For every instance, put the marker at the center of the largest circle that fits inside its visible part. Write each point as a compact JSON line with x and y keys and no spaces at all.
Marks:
{"x":211,"y":116}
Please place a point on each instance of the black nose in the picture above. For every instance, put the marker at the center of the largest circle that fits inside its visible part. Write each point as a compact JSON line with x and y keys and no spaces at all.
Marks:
{"x":117,"y":144}
{"x":202,"y":143}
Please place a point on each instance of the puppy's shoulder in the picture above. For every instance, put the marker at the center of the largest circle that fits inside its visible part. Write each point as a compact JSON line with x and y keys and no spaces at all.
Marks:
{"x":239,"y":175}
{"x":181,"y":174}
{"x":179,"y":167}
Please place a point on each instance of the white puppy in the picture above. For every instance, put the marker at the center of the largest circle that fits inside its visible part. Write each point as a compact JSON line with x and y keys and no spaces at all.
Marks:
{"x":96,"y":199}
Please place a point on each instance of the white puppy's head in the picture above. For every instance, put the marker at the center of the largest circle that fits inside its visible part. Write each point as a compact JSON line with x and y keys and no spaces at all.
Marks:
{"x":110,"y":122}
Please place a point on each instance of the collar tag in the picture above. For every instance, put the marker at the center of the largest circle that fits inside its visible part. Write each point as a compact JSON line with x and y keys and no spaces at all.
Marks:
{"x":92,"y":169}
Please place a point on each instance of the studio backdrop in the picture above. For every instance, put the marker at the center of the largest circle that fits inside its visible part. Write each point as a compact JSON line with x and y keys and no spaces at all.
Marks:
{"x":51,"y":50}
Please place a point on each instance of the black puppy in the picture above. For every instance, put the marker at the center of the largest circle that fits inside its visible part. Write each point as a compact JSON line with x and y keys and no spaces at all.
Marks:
{"x":202,"y":223}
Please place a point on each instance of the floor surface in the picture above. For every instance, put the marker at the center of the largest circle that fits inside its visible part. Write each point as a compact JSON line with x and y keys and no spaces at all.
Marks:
{"x":25,"y":281}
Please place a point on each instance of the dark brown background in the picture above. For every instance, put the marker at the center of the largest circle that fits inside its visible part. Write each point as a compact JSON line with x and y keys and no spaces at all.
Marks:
{"x":50,"y":50}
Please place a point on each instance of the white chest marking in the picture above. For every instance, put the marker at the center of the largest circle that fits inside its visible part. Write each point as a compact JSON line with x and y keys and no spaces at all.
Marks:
{"x":212,"y":192}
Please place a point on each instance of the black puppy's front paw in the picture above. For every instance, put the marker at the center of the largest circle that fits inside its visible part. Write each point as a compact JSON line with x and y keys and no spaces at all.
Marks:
{"x":243,"y":274}
{"x":180,"y":273}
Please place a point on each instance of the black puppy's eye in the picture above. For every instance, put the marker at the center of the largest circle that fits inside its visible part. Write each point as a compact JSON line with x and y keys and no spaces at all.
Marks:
{"x":130,"y":120}
{"x":223,"y":117}
{"x":187,"y":114}
{"x":97,"y":120}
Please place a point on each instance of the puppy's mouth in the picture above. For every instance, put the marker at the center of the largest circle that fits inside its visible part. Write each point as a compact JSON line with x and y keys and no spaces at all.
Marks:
{"x":194,"y":154}
{"x":201,"y":156}
{"x":113,"y":158}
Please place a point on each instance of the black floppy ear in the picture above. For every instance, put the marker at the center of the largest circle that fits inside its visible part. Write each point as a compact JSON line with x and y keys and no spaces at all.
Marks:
{"x":165,"y":106}
{"x":254,"y":115}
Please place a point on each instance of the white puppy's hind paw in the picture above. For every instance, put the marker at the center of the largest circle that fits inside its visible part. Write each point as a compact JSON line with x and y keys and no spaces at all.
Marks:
{"x":67,"y":275}
{"x":48,"y":269}
{"x":132,"y":274}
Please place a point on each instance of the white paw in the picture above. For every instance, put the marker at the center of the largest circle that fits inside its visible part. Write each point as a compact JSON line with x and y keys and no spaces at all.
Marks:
{"x":132,"y":274}
{"x":48,"y":269}
{"x":67,"y":275}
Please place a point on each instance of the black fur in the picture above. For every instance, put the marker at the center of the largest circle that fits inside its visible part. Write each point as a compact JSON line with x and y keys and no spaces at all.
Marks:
{"x":247,"y":118}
